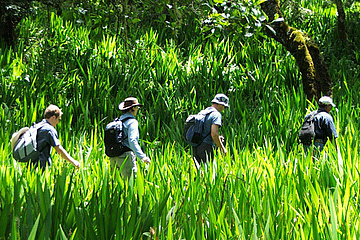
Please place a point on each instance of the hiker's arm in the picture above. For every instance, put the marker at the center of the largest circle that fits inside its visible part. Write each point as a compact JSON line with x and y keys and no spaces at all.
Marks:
{"x":133,"y":138}
{"x":335,"y":144}
{"x":331,"y":131}
{"x":65,"y":155}
{"x":218,"y":140}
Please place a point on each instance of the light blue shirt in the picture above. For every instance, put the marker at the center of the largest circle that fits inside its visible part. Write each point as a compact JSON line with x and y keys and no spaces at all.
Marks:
{"x":131,"y":134}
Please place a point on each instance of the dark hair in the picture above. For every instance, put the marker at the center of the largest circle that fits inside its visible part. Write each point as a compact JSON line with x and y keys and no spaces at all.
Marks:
{"x":321,"y":105}
{"x":127,"y":110}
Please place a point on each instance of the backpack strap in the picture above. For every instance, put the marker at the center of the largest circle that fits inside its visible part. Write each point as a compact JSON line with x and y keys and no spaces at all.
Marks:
{"x":313,"y":114}
{"x":206,"y":116}
{"x":124,"y":120}
{"x":38,"y":126}
{"x":209,"y":111}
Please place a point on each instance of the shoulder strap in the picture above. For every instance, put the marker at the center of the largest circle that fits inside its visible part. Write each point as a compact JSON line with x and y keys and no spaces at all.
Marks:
{"x":207,"y":112}
{"x":313,"y":114}
{"x":206,"y":116}
{"x":124,"y":120}
{"x":310,"y":116}
{"x":38,"y":126}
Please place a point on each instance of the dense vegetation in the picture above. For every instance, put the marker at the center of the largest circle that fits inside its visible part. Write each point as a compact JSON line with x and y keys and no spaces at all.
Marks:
{"x":264,"y":188}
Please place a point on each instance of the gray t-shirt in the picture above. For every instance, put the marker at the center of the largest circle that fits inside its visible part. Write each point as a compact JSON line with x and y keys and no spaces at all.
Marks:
{"x":213,"y":118}
{"x":47,"y":137}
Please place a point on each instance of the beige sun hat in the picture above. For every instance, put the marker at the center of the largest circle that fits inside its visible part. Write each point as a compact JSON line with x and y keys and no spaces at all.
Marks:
{"x":129,"y":103}
{"x":15,"y":137}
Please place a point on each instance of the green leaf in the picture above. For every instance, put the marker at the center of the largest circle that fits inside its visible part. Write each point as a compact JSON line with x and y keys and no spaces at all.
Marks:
{"x":32,"y":234}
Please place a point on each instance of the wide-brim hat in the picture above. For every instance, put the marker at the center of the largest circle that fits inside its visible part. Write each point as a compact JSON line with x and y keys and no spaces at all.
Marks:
{"x":221,"y":99}
{"x":326,"y":101}
{"x":129,"y":103}
{"x":15,"y":137}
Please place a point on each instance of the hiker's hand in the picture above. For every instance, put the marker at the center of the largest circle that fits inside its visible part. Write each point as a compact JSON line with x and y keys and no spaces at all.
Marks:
{"x":225,"y":151}
{"x":222,"y":147}
{"x":76,"y":163}
{"x":146,"y":160}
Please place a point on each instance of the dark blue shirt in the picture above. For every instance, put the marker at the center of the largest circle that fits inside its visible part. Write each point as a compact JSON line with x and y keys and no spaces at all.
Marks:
{"x":47,"y":137}
{"x":324,"y":125}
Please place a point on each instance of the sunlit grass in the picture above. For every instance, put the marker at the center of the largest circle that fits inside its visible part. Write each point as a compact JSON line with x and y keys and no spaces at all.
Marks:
{"x":264,"y":188}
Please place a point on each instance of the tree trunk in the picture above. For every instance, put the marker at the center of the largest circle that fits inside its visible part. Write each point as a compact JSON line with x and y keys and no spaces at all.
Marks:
{"x":315,"y":76}
{"x":7,"y":30}
{"x":341,"y":21}
{"x":11,"y":13}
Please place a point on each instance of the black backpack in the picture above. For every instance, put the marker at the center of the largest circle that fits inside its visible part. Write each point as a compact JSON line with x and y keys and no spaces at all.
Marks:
{"x":307,"y":131}
{"x":194,"y":127}
{"x":113,"y":138}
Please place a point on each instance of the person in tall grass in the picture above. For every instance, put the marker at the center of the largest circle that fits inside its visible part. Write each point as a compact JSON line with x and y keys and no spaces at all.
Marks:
{"x":129,"y":108}
{"x":47,"y":137}
{"x":205,"y":151}
{"x":324,"y":125}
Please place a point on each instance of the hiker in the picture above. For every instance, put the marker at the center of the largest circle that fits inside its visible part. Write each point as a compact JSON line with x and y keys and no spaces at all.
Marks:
{"x":129,"y":107}
{"x":47,"y":137}
{"x":323,"y":125}
{"x":205,"y":151}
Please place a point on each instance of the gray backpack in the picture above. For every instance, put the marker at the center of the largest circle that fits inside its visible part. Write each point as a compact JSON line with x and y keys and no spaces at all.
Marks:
{"x":307,"y":131}
{"x":26,"y":146}
{"x":194,"y":128}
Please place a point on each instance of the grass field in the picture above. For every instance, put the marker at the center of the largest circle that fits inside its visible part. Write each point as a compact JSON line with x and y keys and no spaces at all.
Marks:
{"x":265,"y":188}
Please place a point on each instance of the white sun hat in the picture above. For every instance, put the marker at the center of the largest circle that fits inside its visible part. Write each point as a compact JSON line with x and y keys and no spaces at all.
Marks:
{"x":326,"y":101}
{"x":221,"y":99}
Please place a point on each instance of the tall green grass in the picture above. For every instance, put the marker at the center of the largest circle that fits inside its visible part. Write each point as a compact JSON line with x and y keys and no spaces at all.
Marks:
{"x":264,"y":188}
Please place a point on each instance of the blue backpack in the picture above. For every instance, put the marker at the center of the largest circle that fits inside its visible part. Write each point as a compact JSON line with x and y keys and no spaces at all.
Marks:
{"x":194,"y":128}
